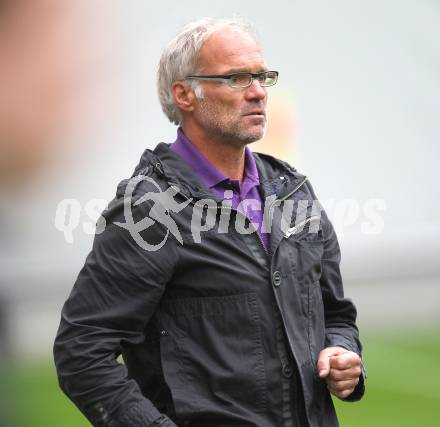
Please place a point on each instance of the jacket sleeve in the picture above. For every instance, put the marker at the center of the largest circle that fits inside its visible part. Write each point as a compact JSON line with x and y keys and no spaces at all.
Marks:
{"x":340,"y":312}
{"x":114,"y":296}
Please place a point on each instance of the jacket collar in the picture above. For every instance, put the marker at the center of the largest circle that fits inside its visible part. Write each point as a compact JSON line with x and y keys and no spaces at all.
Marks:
{"x":276,"y":177}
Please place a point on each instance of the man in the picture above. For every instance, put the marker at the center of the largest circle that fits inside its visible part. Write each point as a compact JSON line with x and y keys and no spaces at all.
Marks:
{"x":226,"y":314}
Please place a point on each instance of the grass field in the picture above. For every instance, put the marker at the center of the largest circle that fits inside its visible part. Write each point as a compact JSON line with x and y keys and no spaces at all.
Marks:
{"x":403,"y":388}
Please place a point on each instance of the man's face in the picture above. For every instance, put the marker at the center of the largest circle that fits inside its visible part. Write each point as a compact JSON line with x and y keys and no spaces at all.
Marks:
{"x":232,"y":115}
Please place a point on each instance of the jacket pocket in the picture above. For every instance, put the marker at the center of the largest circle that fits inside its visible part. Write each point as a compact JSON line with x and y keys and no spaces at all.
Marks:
{"x":306,"y":262}
{"x":212,"y":354}
{"x":307,"y":250}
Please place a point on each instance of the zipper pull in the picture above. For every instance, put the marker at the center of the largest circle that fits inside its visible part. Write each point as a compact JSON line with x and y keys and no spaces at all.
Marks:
{"x":301,"y":225}
{"x":290,"y":231}
{"x":158,"y":166}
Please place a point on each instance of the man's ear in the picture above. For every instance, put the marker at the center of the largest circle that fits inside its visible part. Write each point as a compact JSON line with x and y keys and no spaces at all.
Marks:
{"x":183,"y":96}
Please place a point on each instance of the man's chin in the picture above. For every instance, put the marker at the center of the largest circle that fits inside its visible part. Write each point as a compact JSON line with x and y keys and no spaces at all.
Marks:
{"x":244,"y":136}
{"x":253,"y":135}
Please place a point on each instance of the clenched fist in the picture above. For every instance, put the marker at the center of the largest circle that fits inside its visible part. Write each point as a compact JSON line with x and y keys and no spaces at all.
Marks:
{"x":341,"y":369}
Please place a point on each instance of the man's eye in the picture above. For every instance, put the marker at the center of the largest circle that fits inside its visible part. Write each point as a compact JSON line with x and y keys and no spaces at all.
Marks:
{"x":240,"y":79}
{"x":262,"y":78}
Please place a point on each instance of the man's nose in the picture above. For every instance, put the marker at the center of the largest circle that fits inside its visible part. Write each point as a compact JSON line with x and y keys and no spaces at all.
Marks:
{"x":256,"y":91}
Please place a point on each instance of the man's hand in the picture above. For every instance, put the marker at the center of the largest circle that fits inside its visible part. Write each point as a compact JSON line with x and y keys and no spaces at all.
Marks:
{"x":341,"y":369}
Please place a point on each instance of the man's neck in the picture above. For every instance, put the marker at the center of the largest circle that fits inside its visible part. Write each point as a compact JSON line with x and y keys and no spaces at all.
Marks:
{"x":227,"y":157}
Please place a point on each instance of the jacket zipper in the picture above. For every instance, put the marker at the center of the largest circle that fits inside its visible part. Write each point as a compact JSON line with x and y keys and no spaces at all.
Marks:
{"x":293,"y":191}
{"x":281,"y":199}
{"x":293,"y":230}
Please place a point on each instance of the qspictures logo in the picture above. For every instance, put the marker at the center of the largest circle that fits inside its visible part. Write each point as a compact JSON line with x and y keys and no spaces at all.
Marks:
{"x":296,"y":215}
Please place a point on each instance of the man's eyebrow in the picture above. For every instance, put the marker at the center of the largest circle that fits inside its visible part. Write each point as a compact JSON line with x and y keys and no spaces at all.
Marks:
{"x":244,"y":70}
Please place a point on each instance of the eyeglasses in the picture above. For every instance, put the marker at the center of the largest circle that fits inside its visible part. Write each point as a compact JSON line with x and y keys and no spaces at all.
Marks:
{"x":242,"y":80}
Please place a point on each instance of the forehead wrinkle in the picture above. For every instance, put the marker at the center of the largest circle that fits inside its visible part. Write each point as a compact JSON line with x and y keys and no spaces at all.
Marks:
{"x":241,"y":61}
{"x":231,"y":49}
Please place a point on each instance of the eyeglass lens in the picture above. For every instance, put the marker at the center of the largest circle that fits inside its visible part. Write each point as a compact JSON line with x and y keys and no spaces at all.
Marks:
{"x":267,"y":78}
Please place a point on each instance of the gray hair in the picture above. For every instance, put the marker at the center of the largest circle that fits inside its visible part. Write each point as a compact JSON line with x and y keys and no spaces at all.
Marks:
{"x":179,"y":59}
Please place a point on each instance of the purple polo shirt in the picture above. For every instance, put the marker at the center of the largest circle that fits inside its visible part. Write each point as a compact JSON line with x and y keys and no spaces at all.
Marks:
{"x":245,"y":198}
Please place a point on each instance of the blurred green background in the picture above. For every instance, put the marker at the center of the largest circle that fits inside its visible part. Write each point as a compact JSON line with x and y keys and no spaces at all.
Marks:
{"x":402,"y":387}
{"x":356,"y":109}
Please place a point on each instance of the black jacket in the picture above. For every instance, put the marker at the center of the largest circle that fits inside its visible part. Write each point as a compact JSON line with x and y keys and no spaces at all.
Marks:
{"x":216,"y":332}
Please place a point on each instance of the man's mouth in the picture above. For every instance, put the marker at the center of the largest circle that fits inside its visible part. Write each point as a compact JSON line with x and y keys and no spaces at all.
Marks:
{"x":257,"y":113}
